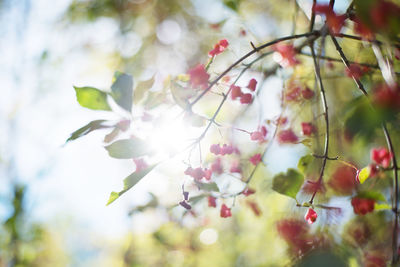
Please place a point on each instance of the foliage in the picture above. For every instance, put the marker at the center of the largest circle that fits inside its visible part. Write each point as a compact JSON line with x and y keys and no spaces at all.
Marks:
{"x":339,"y":101}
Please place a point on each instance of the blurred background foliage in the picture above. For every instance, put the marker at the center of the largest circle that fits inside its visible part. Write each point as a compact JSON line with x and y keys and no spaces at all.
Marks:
{"x":152,"y":39}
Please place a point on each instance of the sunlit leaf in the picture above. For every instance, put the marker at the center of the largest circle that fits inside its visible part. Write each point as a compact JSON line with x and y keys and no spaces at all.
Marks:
{"x":288,"y":183}
{"x":91,"y":126}
{"x":128,"y":148}
{"x":92,"y":98}
{"x":307,"y":142}
{"x":364,"y":174}
{"x":112,"y":135}
{"x":141,"y":89}
{"x":180,"y":94}
{"x":208,"y":187}
{"x":304,"y":162}
{"x":113,"y":197}
{"x":232,"y":4}
{"x":129,"y":182}
{"x":122,"y":90}
{"x":383,"y":206}
{"x":371,"y":195}
{"x":154,"y":99}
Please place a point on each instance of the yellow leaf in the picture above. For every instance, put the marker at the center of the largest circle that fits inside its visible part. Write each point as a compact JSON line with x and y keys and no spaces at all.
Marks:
{"x":364,"y":174}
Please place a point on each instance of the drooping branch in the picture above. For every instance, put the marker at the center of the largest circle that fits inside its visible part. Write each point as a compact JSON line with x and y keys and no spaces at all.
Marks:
{"x":326,"y":117}
{"x":391,"y":150}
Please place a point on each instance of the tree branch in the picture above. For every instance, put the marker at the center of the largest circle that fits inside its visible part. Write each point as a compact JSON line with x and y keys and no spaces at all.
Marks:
{"x":286,"y":38}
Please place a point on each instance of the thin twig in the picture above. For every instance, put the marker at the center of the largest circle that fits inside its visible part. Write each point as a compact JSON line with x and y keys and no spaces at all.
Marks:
{"x":326,"y":117}
{"x":347,"y":64}
{"x":372,"y":66}
{"x":312,"y":21}
{"x":323,"y":156}
{"x":358,"y":38}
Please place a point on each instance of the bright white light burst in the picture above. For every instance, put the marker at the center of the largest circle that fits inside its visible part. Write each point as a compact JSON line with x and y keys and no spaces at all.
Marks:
{"x":172,"y":136}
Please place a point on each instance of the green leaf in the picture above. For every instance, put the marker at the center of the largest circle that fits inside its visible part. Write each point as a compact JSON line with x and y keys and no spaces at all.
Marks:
{"x":141,"y":89}
{"x":112,"y":135}
{"x":113,"y":196}
{"x":288,"y":183}
{"x":372,"y":195}
{"x":321,"y":258}
{"x":194,"y":200}
{"x":307,"y":142}
{"x":232,"y":4}
{"x":122,"y":90}
{"x":361,"y":119}
{"x":304,"y":162}
{"x":129,"y":182}
{"x":128,"y":148}
{"x":180,"y":94}
{"x":364,"y":174}
{"x":208,"y":187}
{"x":92,"y":98}
{"x":383,"y":206}
{"x":91,"y":126}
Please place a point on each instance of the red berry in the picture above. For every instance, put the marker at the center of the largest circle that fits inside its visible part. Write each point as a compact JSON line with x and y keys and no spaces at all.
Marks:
{"x":218,"y":48}
{"x":287,"y":54}
{"x":248,"y":191}
{"x":252,"y":84}
{"x":199,"y":77}
{"x":215,"y":149}
{"x":307,"y":93}
{"x":311,"y":216}
{"x":381,"y":156}
{"x":246,"y":98}
{"x":235,"y":167}
{"x":362,"y":206}
{"x":216,"y":167}
{"x":225,"y":211}
{"x":235,"y":92}
{"x":257,"y":136}
{"x":335,"y":22}
{"x":140,"y":164}
{"x":207,"y":174}
{"x":343,"y":180}
{"x":212,"y":202}
{"x":308,"y":128}
{"x":255,"y":159}
{"x":227,"y":149}
{"x":293,"y":94}
{"x":287,"y":137}
{"x":254,"y":207}
{"x":354,"y":71}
